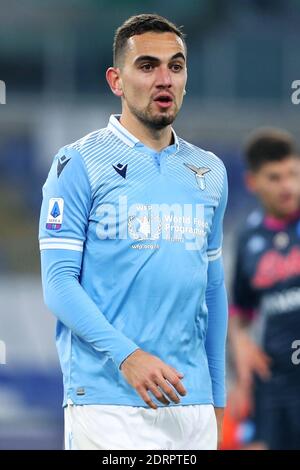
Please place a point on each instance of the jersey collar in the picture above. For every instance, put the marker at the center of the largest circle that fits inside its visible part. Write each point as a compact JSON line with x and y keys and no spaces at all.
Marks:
{"x":129,"y":139}
{"x":272,"y":223}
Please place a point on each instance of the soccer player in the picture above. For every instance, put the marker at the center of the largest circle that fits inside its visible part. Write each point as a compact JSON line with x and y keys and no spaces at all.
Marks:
{"x":130,"y":238}
{"x":266,"y":292}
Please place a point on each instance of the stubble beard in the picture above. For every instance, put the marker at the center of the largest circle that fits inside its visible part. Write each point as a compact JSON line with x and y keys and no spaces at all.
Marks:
{"x":148,"y":119}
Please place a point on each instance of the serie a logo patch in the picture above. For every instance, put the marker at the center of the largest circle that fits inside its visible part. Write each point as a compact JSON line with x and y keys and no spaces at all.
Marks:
{"x":55,"y":213}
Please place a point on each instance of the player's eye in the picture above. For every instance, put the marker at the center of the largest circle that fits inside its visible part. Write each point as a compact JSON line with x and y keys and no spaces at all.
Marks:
{"x":147,"y":67}
{"x":176,"y":67}
{"x":274,"y":178}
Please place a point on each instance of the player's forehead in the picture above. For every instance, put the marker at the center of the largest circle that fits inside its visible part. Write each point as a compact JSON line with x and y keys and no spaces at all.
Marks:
{"x":290,"y":163}
{"x":162,"y":46}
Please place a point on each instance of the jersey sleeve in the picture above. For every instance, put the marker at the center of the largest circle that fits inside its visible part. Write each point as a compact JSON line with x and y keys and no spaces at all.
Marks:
{"x":66,"y":204}
{"x":217,"y":304}
{"x":215,"y":239}
{"x":64,"y":221}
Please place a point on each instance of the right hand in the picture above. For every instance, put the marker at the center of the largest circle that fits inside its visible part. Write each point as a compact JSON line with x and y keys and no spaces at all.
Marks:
{"x":240,"y":401}
{"x":250,"y":359}
{"x":147,"y":373}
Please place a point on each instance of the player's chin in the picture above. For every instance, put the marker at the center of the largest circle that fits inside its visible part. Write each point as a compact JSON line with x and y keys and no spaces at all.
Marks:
{"x":289,"y":201}
{"x":163,"y":120}
{"x":287,"y":208}
{"x":164,"y":116}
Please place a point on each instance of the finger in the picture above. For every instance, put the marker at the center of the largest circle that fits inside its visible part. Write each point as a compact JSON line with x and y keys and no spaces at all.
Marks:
{"x":168,"y":391}
{"x":180,"y":374}
{"x":262,"y":366}
{"x":158,"y":394}
{"x":176,"y":383}
{"x":146,"y":397}
{"x":267,"y":358}
{"x":165,"y":385}
{"x":261,"y":355}
{"x":263,"y":371}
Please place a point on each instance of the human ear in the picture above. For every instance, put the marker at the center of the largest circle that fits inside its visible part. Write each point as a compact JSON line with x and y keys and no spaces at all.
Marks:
{"x":114,"y":80}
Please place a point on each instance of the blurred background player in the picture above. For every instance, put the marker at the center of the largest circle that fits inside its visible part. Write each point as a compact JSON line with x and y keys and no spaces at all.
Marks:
{"x":266,"y":294}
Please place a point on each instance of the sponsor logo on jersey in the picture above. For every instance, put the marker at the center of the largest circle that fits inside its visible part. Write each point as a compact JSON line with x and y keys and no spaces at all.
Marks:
{"x":174,"y":223}
{"x":55,"y":213}
{"x":278,"y":303}
{"x":121,"y":169}
{"x":199,"y":174}
{"x":139,"y":228}
{"x":275,"y":267}
{"x":61,"y":164}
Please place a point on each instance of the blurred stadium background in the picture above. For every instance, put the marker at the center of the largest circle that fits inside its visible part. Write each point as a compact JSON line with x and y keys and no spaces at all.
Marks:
{"x":243,"y":57}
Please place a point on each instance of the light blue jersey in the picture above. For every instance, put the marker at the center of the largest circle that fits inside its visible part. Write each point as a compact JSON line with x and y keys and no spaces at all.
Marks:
{"x":131,"y":258}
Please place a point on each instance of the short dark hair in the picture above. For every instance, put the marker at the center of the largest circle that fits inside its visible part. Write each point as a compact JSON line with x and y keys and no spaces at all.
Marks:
{"x":268,"y":145}
{"x":140,"y":24}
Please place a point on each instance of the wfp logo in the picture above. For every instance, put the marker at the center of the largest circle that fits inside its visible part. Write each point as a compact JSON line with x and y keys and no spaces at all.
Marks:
{"x":2,"y":92}
{"x":2,"y":352}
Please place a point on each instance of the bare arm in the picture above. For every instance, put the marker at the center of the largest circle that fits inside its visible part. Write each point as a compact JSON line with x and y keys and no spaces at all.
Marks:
{"x":248,"y":357}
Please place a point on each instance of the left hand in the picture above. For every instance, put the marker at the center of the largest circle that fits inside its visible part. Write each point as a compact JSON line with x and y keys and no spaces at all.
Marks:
{"x":219,"y":417}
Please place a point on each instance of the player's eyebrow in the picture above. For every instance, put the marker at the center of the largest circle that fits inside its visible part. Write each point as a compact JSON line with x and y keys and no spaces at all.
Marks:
{"x":179,"y":55}
{"x":150,"y":58}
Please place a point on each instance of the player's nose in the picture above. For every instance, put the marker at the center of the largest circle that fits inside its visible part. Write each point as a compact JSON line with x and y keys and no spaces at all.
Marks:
{"x":163,"y":77}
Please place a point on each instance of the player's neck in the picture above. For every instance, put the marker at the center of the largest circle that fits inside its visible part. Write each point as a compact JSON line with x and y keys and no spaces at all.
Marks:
{"x":152,"y":138}
{"x":278,"y":221}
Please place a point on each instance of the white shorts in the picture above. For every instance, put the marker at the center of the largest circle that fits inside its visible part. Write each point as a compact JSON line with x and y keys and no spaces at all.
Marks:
{"x":114,"y":427}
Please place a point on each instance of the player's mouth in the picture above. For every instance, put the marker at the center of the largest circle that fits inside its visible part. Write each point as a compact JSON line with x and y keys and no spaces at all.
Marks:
{"x":286,"y":198}
{"x":164,"y":100}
